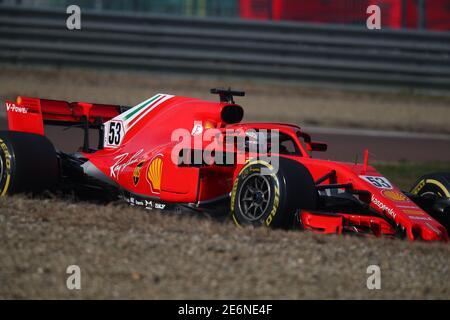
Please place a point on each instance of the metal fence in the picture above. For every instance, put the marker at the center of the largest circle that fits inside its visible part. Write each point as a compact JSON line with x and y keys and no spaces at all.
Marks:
{"x":412,"y":14}
{"x":220,"y":8}
{"x":221,"y":47}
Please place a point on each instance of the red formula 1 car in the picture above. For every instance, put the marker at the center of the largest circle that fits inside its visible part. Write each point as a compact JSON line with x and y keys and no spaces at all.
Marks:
{"x":173,"y":152}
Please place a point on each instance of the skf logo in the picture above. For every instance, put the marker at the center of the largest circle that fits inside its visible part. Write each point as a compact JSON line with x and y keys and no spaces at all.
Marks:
{"x":154,"y":173}
{"x":13,"y":108}
{"x":137,"y":172}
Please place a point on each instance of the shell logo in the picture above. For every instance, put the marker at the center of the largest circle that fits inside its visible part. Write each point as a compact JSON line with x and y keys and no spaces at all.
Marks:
{"x":394,"y":195}
{"x":154,"y":173}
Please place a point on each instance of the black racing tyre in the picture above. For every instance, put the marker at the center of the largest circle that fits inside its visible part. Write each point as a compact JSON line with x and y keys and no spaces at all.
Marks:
{"x":28,"y":163}
{"x":275,"y":198}
{"x":436,"y":186}
{"x":433,"y":184}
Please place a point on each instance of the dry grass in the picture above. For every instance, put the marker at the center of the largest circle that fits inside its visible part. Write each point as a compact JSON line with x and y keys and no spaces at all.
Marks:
{"x":132,"y":253}
{"x":287,"y":102}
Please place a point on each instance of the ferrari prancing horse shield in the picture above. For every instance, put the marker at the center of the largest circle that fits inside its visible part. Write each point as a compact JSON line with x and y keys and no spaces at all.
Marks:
{"x":137,"y":173}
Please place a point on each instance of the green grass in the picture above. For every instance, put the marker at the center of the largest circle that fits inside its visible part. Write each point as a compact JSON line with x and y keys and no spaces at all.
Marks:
{"x":404,"y":174}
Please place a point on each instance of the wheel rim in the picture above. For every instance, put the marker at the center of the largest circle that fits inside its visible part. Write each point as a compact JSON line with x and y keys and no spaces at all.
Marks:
{"x":434,"y":192}
{"x":254,"y":197}
{"x":431,"y":194}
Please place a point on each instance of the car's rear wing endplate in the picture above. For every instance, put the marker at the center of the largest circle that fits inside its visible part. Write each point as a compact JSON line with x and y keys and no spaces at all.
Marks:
{"x":30,"y":114}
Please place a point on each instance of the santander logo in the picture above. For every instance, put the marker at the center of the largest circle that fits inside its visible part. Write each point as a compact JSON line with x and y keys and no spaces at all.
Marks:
{"x":383,"y":207}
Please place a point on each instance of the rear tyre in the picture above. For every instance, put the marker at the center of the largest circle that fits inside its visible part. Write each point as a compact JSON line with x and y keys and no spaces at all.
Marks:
{"x":272,"y":199}
{"x":28,"y":163}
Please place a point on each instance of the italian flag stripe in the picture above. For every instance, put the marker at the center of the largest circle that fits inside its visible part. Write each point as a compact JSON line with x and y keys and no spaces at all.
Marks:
{"x":134,"y":111}
{"x":153,"y":104}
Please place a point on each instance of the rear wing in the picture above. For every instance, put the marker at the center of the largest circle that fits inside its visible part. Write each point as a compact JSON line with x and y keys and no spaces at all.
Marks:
{"x":30,"y":114}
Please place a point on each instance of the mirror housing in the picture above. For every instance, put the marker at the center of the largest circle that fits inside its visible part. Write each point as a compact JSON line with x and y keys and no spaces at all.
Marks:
{"x":316,"y":146}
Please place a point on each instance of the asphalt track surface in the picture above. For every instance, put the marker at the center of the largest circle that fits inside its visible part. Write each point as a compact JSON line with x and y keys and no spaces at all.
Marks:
{"x":385,"y":146}
{"x":343,"y":144}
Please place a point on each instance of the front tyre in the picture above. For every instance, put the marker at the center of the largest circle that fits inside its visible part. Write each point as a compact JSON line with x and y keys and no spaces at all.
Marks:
{"x":273,"y":199}
{"x":433,"y":184}
{"x":434,"y":188}
{"x":28,"y":163}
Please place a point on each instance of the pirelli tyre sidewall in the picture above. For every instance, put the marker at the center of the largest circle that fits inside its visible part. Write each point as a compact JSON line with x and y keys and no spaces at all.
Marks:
{"x":28,"y":163}
{"x":437,"y":184}
{"x":5,"y":167}
{"x":291,"y":188}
